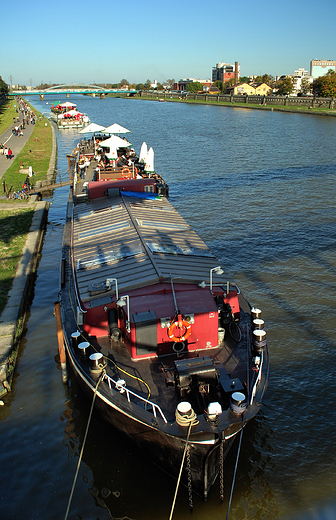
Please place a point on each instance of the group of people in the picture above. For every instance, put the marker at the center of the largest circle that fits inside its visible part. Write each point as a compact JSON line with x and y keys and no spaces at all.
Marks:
{"x":7,"y":152}
{"x":28,"y":116}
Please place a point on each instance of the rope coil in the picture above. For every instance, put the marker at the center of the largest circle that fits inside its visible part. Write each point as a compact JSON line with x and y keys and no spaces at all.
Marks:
{"x":187,"y":418}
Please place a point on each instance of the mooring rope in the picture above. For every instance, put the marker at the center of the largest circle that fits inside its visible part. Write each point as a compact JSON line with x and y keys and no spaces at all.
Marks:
{"x":180,"y":473}
{"x":83,"y":445}
{"x":236,"y":465}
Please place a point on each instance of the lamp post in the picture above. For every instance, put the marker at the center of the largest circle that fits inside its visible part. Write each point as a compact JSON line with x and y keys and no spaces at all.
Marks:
{"x":217,"y":270}
{"x":124,"y":300}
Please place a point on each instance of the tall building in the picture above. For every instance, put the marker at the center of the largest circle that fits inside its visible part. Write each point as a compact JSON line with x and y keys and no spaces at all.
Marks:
{"x":320,"y":67}
{"x":298,"y":75}
{"x":225,"y":71}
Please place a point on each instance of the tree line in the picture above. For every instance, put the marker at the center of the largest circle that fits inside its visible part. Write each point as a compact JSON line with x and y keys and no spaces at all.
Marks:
{"x":324,"y":86}
{"x":4,"y":88}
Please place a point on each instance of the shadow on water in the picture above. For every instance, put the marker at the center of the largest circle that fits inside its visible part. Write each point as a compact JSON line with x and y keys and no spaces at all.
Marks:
{"x":122,"y":481}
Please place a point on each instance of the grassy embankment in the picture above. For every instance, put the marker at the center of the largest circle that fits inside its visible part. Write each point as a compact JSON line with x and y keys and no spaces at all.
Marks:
{"x":7,"y":114}
{"x":36,"y":153}
{"x":15,"y":219}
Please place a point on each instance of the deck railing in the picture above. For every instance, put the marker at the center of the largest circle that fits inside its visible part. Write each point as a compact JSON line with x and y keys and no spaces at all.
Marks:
{"x":120,"y":386}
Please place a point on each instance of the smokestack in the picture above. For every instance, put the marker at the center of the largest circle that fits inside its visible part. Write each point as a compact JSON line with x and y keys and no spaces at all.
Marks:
{"x":236,"y":73}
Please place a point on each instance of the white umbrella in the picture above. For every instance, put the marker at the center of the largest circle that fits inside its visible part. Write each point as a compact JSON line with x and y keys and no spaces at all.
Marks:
{"x":116,"y":129}
{"x":143,"y":153}
{"x":115,"y":142}
{"x":149,"y":166}
{"x":91,"y":128}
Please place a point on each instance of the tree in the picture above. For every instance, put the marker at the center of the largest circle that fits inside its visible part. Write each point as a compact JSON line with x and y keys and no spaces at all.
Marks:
{"x":124,"y":83}
{"x":169,"y":84}
{"x":266,"y":78}
{"x":219,"y":84}
{"x":244,"y":79}
{"x":139,"y":86}
{"x":194,"y":86}
{"x":306,"y":87}
{"x":285,"y":86}
{"x":3,"y":87}
{"x":228,"y":84}
{"x":148,"y":85}
{"x":325,"y":86}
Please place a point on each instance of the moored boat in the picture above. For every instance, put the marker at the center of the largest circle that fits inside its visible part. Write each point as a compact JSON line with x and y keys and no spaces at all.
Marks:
{"x":153,"y":326}
{"x":66,"y":115}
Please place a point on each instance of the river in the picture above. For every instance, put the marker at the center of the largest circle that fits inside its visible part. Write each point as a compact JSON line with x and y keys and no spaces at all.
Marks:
{"x":259,"y":188}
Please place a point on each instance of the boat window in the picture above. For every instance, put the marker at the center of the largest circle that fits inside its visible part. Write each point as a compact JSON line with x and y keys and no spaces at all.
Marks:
{"x":163,"y":208}
{"x":162,"y":225}
{"x":109,"y":257}
{"x":178,"y":250}
{"x":149,"y":188}
{"x":102,"y":230}
{"x":97,"y":211}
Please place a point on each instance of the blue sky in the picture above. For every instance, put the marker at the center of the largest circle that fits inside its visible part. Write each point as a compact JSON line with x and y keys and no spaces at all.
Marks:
{"x":107,"y":40}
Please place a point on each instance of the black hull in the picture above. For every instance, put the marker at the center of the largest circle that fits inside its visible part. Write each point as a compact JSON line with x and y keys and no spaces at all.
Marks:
{"x":164,"y":450}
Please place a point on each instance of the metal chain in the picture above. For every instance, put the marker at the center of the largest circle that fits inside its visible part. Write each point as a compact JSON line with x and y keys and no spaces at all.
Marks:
{"x":221,"y":471}
{"x":191,"y":505}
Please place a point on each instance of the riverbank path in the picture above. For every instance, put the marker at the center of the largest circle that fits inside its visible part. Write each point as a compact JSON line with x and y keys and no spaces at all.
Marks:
{"x":14,"y":142}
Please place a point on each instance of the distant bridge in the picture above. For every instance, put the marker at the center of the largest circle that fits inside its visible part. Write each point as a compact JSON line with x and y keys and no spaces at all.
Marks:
{"x":71,"y":89}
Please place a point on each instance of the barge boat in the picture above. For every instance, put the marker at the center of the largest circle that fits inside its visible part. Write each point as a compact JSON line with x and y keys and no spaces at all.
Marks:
{"x":153,"y":326}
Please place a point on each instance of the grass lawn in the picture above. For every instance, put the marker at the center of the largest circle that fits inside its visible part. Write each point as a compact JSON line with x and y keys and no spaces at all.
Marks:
{"x":35,"y":153}
{"x":7,"y":114}
{"x":14,"y":227}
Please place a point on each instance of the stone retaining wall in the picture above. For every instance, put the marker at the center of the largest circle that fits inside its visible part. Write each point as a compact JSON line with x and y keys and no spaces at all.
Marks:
{"x":286,"y":101}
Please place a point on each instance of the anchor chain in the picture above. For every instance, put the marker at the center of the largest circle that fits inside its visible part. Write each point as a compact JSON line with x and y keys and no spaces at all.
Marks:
{"x":221,"y":471}
{"x":191,"y":505}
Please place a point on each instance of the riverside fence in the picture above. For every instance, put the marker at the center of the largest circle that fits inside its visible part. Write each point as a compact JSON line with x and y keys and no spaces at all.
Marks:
{"x":285,"y":101}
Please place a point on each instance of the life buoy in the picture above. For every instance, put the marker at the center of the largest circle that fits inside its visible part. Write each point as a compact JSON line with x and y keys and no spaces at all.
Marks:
{"x":125,"y":173}
{"x":175,"y":325}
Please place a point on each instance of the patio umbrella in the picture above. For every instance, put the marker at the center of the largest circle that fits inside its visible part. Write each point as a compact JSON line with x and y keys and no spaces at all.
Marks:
{"x":143,"y":153}
{"x":149,"y":166}
{"x":91,"y":128}
{"x":115,"y":142}
{"x":116,"y":129}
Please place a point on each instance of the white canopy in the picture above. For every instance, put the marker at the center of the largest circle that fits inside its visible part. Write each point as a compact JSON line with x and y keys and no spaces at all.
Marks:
{"x":115,"y":142}
{"x":72,"y":113}
{"x":116,"y":129}
{"x":91,"y":128}
{"x":68,"y":104}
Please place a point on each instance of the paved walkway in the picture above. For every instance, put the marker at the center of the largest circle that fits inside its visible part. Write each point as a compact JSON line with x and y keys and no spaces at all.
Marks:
{"x":14,"y":142}
{"x":18,"y":296}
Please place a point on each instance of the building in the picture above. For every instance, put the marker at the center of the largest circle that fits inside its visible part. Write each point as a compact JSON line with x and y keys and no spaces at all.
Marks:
{"x":225,"y":71}
{"x":251,"y":89}
{"x":182,"y":83}
{"x":297,"y":79}
{"x":320,"y":67}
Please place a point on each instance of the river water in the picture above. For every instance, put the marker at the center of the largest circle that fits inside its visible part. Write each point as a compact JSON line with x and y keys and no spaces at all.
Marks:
{"x":259,"y":188}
